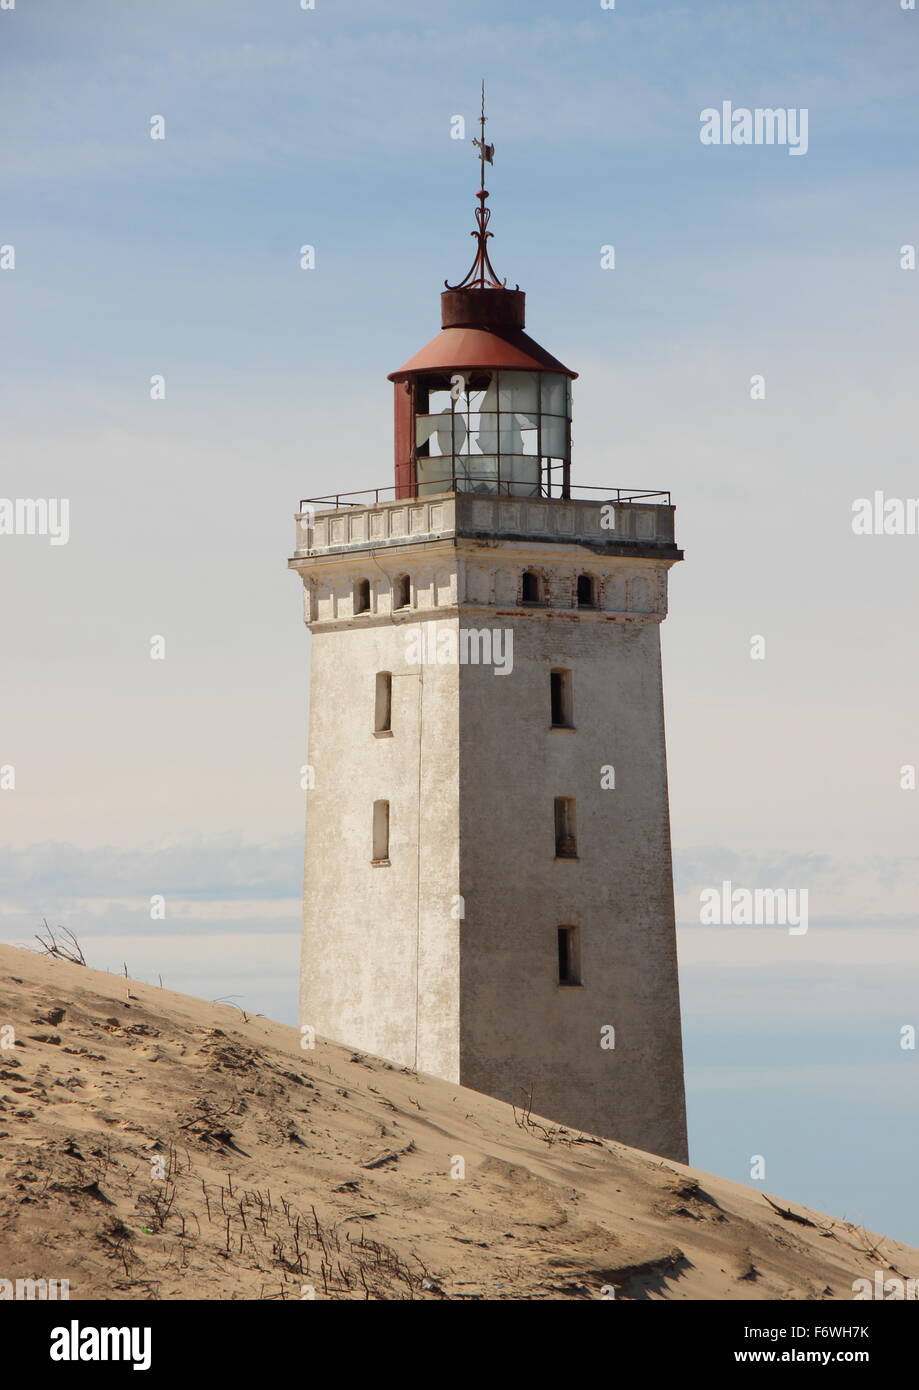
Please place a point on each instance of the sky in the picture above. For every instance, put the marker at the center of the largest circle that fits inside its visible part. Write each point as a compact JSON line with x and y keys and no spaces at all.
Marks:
{"x":180,"y":258}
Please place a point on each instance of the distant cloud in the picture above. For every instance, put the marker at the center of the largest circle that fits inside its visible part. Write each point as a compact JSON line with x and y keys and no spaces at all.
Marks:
{"x":259,"y":87}
{"x":207,"y":885}
{"x":863,"y":891}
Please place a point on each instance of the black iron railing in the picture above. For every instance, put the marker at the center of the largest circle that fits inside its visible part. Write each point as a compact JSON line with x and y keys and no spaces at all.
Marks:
{"x":374,"y":496}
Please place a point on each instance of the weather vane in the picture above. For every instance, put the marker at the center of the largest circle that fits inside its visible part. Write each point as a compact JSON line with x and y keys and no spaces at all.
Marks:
{"x":486,"y":152}
{"x":481,"y":274}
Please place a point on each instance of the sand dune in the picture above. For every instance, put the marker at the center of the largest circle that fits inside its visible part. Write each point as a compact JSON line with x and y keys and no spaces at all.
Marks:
{"x":153,"y":1145}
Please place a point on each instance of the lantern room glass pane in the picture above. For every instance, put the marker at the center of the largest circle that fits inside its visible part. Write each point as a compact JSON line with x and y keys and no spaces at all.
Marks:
{"x":518,"y":391}
{"x":554,"y":442}
{"x":434,"y":475}
{"x":520,"y":475}
{"x":477,"y":473}
{"x":485,"y":434}
{"x":554,"y":394}
{"x":518,"y":434}
{"x":439,"y":432}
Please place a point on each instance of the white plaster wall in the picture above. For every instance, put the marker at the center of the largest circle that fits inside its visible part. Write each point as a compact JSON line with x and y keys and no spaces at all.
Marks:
{"x":380,"y":947}
{"x":522,"y":1034}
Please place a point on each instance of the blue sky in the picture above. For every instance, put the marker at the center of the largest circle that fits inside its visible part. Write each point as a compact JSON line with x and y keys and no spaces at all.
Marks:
{"x":332,"y":127}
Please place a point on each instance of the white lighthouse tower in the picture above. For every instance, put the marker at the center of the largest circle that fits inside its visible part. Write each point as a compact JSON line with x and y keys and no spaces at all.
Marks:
{"x":488,"y":888}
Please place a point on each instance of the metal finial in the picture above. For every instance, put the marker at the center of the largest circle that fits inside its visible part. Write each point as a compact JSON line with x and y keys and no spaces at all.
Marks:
{"x":481,"y":274}
{"x":486,"y":152}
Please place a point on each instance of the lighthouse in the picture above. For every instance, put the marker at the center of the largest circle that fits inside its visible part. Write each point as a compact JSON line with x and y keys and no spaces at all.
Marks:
{"x":488,"y":891}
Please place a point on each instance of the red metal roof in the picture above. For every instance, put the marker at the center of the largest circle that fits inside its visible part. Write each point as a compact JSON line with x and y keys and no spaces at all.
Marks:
{"x":479,"y":347}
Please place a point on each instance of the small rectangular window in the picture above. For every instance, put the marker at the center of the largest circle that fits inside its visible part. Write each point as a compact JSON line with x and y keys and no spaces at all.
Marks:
{"x":530,"y":587}
{"x":402,"y":592}
{"x":382,"y":719}
{"x":362,"y":596}
{"x":566,"y":845}
{"x":380,"y":832}
{"x":560,"y":699}
{"x":587,"y":591}
{"x":569,"y":963}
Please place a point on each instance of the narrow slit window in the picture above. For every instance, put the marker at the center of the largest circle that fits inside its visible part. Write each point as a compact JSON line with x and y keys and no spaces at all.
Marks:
{"x":560,"y":699}
{"x":587,"y":591}
{"x":402,"y":592}
{"x":529,"y":588}
{"x":382,"y":721}
{"x":566,"y":844}
{"x":380,"y":832}
{"x":569,"y":963}
{"x":362,"y":596}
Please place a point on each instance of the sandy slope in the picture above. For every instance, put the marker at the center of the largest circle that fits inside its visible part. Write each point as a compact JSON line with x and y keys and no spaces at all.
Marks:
{"x":285,"y":1169}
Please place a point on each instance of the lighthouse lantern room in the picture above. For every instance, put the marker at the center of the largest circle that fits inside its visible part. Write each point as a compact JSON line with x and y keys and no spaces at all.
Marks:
{"x":483,"y":408}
